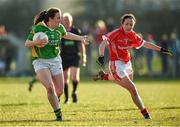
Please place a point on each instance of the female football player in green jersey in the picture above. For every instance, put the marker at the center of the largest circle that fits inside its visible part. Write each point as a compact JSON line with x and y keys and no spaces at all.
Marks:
{"x":47,"y":62}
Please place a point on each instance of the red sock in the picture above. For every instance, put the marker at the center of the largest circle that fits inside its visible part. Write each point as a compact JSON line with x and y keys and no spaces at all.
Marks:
{"x":144,"y":111}
{"x":106,"y":77}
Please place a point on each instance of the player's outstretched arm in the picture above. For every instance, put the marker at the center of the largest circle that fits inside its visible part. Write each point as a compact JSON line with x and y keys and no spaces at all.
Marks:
{"x":71,"y":36}
{"x":157,"y":48}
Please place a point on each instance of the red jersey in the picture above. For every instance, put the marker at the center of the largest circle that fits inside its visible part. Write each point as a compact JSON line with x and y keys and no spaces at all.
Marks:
{"x":120,"y":43}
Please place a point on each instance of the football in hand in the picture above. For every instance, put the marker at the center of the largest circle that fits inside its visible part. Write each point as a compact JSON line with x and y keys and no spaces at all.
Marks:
{"x":41,"y":36}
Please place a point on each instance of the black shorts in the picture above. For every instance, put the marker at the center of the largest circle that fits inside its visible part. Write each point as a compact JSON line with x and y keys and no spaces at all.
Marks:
{"x":70,"y":61}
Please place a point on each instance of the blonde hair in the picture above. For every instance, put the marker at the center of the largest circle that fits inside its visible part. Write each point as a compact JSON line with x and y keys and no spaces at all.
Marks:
{"x":101,"y":24}
{"x":68,"y":15}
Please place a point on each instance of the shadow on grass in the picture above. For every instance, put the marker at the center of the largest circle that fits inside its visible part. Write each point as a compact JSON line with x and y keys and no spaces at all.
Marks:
{"x":28,"y":121}
{"x":83,"y":120}
{"x":20,"y":104}
{"x":167,"y":108}
{"x":102,"y":120}
{"x":74,"y":112}
{"x":173,"y":107}
{"x":124,"y":109}
{"x":104,"y":110}
{"x":114,"y":110}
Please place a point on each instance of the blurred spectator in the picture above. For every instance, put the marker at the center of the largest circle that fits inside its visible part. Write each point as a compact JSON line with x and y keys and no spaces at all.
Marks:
{"x":2,"y":61}
{"x":100,"y":29}
{"x":3,"y":30}
{"x":85,"y":28}
{"x":164,"y":59}
{"x":8,"y":47}
{"x":2,"y":50}
{"x":110,"y":24}
{"x":8,"y":50}
{"x":149,"y":55}
{"x":175,"y":48}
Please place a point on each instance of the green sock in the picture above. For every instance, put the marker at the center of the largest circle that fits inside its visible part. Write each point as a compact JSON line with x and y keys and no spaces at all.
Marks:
{"x":33,"y":80}
{"x":58,"y":113}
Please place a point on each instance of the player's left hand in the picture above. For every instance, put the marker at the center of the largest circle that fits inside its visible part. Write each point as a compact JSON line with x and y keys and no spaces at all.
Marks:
{"x":83,"y":60}
{"x":165,"y":51}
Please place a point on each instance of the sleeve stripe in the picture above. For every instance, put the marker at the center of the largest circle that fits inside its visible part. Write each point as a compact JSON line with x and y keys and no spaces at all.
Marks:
{"x":143,"y":42}
{"x":33,"y":52}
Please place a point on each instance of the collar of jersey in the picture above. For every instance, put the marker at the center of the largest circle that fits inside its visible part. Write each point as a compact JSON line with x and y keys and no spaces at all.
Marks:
{"x":44,"y":24}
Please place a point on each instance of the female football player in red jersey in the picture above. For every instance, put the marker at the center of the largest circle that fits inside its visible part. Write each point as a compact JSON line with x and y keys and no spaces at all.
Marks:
{"x":121,"y":72}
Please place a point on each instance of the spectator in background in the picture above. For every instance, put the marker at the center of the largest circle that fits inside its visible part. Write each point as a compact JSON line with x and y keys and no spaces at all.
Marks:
{"x":2,"y":51}
{"x":9,"y":49}
{"x":149,"y":55}
{"x":3,"y":30}
{"x":100,"y":29}
{"x":110,"y":24}
{"x":73,"y":53}
{"x":175,"y":48}
{"x":164,"y":59}
{"x":86,"y":28}
{"x":2,"y":61}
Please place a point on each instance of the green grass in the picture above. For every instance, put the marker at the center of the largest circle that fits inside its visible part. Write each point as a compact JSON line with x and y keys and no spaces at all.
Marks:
{"x":100,"y":104}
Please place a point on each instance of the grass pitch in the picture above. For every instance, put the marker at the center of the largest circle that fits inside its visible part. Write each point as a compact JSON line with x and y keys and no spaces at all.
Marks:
{"x":100,"y":104}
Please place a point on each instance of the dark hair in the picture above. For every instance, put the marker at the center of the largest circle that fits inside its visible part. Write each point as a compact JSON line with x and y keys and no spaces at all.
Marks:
{"x":45,"y":15}
{"x":127,"y":16}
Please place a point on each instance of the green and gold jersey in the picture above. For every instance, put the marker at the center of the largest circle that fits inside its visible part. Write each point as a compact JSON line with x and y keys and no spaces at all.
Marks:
{"x":51,"y":49}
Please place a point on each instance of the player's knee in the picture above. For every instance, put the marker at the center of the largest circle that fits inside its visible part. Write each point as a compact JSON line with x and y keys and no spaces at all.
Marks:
{"x":75,"y":81}
{"x":133,"y":91}
{"x":50,"y":90}
{"x":75,"y":78}
{"x":59,"y":92}
{"x":66,"y":83}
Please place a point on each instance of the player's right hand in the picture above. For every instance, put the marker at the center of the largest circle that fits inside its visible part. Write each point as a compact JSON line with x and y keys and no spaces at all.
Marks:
{"x":41,"y":42}
{"x":100,"y":60}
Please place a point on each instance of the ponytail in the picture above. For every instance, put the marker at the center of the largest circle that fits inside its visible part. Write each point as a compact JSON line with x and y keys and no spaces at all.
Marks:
{"x":40,"y":17}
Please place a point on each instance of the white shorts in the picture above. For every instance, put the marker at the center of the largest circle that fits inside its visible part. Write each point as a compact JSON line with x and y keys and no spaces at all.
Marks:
{"x":120,"y":69}
{"x":54,"y":65}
